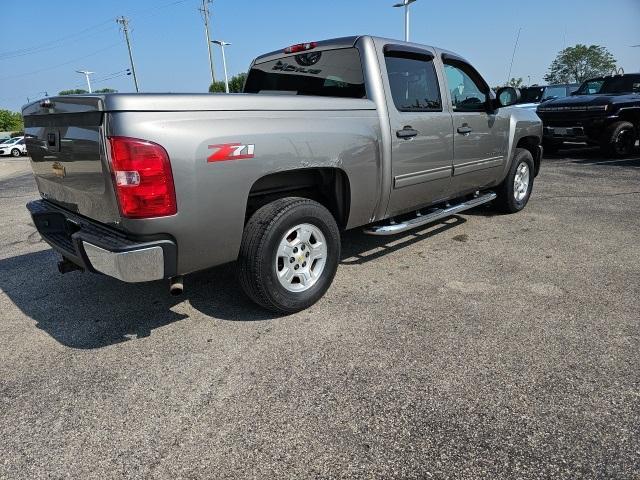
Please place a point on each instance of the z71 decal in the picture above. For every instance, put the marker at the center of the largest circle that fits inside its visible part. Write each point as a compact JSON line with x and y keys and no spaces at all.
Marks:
{"x":231,"y":151}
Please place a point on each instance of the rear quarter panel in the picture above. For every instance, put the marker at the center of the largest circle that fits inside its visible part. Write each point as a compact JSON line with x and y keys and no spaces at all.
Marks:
{"x":212,"y":197}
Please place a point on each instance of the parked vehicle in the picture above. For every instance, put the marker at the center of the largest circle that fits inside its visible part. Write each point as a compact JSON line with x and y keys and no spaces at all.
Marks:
{"x":604,"y":111}
{"x":328,"y":136}
{"x":13,"y":146}
{"x":532,"y":96}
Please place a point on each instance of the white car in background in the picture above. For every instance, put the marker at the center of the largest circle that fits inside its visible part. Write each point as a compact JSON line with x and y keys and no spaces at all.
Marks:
{"x":14,"y":147}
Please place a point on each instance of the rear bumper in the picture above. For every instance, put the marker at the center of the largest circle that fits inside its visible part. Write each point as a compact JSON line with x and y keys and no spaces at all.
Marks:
{"x":98,"y":248}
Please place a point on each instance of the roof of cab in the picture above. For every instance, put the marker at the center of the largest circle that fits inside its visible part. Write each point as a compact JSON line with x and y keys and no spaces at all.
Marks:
{"x":346,"y":42}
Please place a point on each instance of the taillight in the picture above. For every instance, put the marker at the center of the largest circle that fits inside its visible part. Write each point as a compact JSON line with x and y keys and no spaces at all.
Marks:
{"x":142,"y":177}
{"x":301,"y":47}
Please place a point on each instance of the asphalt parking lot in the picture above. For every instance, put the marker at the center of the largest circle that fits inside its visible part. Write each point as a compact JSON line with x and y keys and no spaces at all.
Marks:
{"x":481,"y":347}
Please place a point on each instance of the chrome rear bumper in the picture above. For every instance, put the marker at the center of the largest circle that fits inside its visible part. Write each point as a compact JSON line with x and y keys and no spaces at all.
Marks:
{"x":99,"y":248}
{"x":140,"y":265}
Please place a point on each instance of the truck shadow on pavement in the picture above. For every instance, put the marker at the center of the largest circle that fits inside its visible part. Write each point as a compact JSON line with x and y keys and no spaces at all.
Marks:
{"x":593,"y":156}
{"x":87,"y":311}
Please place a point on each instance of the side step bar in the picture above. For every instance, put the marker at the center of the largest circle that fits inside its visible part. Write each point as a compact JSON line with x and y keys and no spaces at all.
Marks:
{"x":432,"y":216}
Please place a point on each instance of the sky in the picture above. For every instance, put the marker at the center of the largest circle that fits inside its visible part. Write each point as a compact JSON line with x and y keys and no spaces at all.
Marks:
{"x":43,"y":42}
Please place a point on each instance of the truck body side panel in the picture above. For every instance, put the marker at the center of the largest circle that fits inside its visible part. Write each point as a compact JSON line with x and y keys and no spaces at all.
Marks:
{"x":212,"y":196}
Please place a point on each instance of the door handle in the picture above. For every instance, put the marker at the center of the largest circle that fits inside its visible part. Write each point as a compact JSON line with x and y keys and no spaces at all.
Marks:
{"x":465,"y":130}
{"x":407,"y":132}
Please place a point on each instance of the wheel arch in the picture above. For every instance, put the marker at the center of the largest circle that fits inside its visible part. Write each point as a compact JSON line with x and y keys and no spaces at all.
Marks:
{"x":532,"y":143}
{"x":329,"y":186}
{"x":630,"y":114}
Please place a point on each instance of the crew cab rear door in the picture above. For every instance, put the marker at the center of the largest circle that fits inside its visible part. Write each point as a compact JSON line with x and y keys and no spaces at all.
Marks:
{"x":421,"y":130}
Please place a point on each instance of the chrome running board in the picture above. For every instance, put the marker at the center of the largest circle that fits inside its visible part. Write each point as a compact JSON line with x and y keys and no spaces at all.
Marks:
{"x":433,"y":215}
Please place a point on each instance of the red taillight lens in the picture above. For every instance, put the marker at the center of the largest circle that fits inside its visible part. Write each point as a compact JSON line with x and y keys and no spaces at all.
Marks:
{"x":142,"y":177}
{"x":301,"y":47}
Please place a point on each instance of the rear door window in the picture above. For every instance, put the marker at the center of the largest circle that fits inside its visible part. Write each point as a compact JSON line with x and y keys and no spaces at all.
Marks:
{"x":325,"y":73}
{"x":413,"y":82}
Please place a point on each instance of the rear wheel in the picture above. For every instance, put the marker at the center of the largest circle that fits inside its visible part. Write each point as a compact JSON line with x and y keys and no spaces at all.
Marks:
{"x":289,"y":254}
{"x":515,"y":190}
{"x":619,"y":139}
{"x":15,"y":152}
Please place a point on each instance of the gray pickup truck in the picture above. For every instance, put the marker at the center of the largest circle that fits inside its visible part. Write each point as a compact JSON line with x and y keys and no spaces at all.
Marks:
{"x":327,"y":136}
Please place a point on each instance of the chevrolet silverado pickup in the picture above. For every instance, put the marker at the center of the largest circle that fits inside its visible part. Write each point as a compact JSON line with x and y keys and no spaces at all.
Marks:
{"x":327,"y":136}
{"x":604,"y":111}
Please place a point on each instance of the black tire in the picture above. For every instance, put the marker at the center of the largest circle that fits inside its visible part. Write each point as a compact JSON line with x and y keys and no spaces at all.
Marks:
{"x":506,"y":201}
{"x":256,"y":267}
{"x":15,"y":152}
{"x":552,"y":147}
{"x":619,"y":139}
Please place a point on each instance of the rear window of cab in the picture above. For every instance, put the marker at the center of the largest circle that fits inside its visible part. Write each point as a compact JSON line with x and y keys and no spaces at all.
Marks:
{"x":325,"y":73}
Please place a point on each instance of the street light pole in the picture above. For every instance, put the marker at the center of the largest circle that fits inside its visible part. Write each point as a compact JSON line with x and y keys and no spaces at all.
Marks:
{"x":405,"y":4}
{"x":224,"y":62}
{"x":86,"y":75}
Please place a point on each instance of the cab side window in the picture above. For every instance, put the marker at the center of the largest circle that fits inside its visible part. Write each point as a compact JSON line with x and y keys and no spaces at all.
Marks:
{"x":413,"y":82}
{"x":468,"y":90}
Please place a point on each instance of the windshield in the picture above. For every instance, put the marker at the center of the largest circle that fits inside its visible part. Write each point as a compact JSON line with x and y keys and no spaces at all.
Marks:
{"x":590,"y":87}
{"x":531,"y":94}
{"x":554,"y":92}
{"x":327,"y":73}
{"x":619,"y":84}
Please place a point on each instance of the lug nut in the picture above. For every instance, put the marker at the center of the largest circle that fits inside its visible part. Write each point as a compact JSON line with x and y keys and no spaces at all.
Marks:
{"x":306,"y":254}
{"x":291,"y":260}
{"x":295,"y":249}
{"x":304,"y":264}
{"x":302,"y":247}
{"x":296,"y":267}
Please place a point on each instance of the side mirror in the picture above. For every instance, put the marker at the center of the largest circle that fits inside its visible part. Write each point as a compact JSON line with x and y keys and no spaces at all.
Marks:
{"x":507,"y":96}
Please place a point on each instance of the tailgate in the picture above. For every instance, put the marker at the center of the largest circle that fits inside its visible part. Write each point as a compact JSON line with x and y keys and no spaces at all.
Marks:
{"x":64,"y":137}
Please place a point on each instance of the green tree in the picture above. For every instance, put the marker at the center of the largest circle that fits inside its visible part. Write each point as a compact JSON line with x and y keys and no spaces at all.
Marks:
{"x":10,"y":121}
{"x":516,"y":82}
{"x":105,"y":90}
{"x":236,"y":84}
{"x":75,"y":91}
{"x":579,"y":63}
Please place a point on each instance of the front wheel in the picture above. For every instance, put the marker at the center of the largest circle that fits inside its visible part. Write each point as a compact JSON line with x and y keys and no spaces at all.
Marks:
{"x":15,"y":152}
{"x":619,"y":139}
{"x":515,"y":190}
{"x":289,"y":254}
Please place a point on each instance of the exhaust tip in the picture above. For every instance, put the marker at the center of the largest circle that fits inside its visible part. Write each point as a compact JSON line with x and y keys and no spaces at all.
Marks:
{"x":176,"y":285}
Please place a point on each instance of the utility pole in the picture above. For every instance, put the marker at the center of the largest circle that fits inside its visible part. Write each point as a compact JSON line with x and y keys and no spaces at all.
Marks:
{"x":125,"y":28}
{"x":405,"y":4}
{"x":86,"y":75}
{"x":205,"y":13}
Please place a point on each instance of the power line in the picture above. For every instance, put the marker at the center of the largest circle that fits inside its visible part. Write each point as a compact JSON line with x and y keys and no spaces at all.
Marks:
{"x":88,"y":31}
{"x":125,"y":28}
{"x":91,"y":31}
{"x":53,"y":67}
